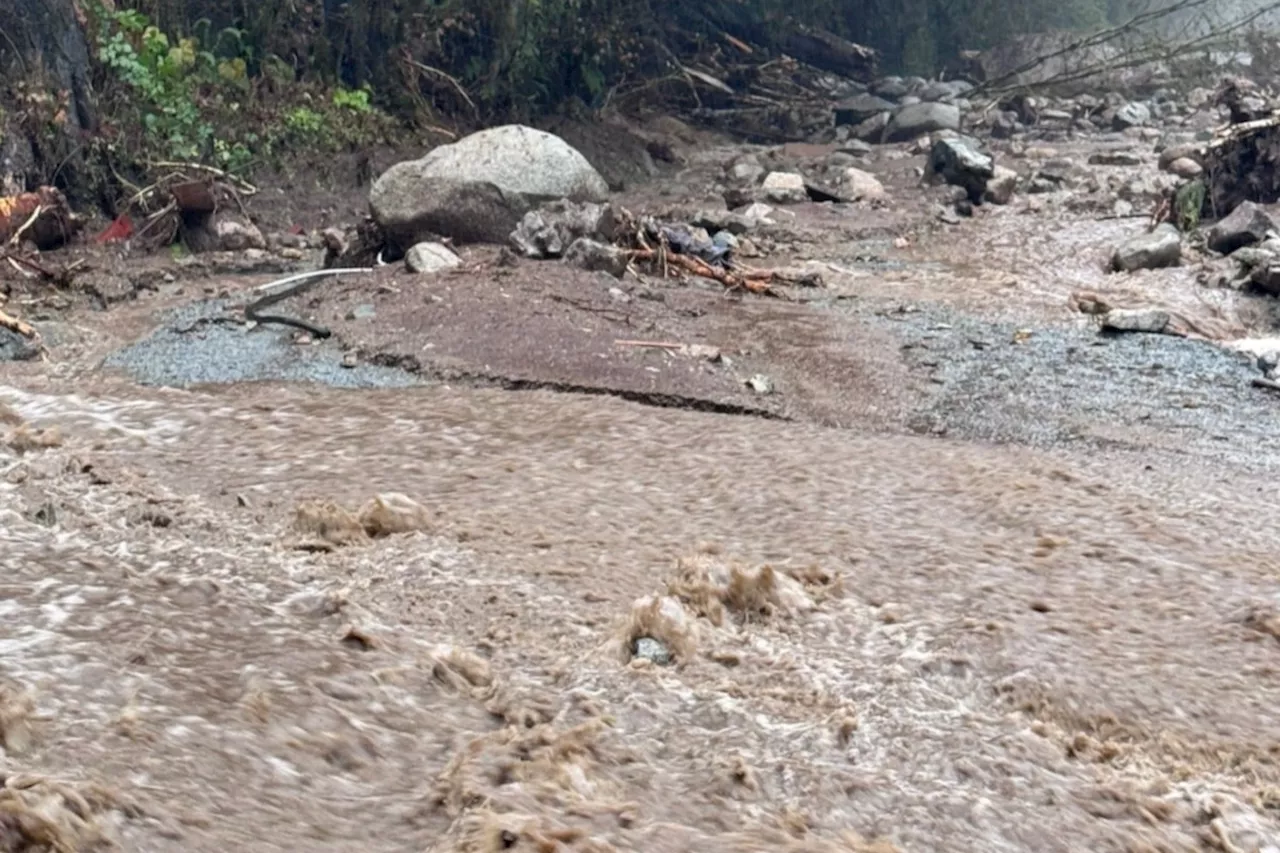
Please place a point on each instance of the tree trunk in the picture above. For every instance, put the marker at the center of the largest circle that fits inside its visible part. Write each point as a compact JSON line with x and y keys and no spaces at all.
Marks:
{"x":46,"y":39}
{"x":43,"y":46}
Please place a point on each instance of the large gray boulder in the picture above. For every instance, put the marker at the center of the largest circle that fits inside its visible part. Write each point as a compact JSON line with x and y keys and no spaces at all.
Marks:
{"x":1160,"y":248}
{"x":915,"y":120}
{"x":478,"y":188}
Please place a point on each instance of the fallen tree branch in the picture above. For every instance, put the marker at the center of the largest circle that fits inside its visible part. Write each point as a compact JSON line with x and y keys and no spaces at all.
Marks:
{"x":436,"y":72}
{"x":760,"y":283}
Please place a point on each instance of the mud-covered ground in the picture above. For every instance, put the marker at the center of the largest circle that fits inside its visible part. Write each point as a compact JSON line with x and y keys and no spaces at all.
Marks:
{"x":1023,"y":585}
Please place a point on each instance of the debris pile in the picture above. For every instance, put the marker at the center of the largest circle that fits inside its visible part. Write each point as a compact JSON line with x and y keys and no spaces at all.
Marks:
{"x":759,"y":95}
{"x":199,"y":206}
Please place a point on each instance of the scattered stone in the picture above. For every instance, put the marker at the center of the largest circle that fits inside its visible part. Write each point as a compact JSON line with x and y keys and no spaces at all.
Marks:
{"x":236,"y":236}
{"x":1135,"y":320}
{"x":1005,"y":126}
{"x":747,"y":173}
{"x":478,"y":188}
{"x":431,"y":257}
{"x":1115,"y":158}
{"x":1244,"y":226}
{"x":1186,"y":150}
{"x":1131,"y":115}
{"x":597,"y":257}
{"x":1088,"y":302}
{"x":723,"y":220}
{"x":757,"y":214}
{"x":760,"y":384}
{"x":855,"y":148}
{"x":915,"y":120}
{"x":872,"y":130}
{"x":863,"y":186}
{"x":960,"y":163}
{"x":548,"y":231}
{"x":1185,"y":167}
{"x":1160,"y":248}
{"x":1001,"y":186}
{"x":784,"y":188}
{"x":654,"y":651}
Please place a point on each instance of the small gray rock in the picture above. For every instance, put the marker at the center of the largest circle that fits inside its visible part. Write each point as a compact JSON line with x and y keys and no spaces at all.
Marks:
{"x":650,"y":649}
{"x":1135,"y":320}
{"x":1160,"y":248}
{"x":1131,"y":115}
{"x":760,"y":384}
{"x":597,"y":257}
{"x":1001,"y":185}
{"x":431,"y":257}
{"x":784,"y":188}
{"x":1114,"y":158}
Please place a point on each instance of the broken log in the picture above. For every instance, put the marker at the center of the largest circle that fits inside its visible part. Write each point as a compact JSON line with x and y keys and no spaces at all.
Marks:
{"x":42,"y":217}
{"x":828,"y":51}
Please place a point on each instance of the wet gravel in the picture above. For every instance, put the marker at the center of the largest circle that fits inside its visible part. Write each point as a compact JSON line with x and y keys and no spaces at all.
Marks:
{"x":202,"y":343}
{"x":1050,"y":385}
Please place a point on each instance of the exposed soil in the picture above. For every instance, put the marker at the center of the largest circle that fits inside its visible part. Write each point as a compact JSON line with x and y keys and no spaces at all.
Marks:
{"x":1023,"y":585}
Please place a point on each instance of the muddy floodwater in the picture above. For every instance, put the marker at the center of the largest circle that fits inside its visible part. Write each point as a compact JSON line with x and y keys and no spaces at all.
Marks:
{"x":956,"y":572}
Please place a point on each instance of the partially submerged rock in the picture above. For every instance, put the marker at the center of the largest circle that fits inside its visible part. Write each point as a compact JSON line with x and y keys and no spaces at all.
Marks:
{"x":1152,"y":320}
{"x":1160,"y":248}
{"x":1246,"y":225}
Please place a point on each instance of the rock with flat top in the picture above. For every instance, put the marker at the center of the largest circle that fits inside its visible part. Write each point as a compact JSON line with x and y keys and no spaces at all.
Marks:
{"x":1160,"y":248}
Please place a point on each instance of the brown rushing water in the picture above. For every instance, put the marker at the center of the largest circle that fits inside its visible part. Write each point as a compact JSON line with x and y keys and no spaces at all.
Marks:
{"x":1041,"y":652}
{"x":997,"y":648}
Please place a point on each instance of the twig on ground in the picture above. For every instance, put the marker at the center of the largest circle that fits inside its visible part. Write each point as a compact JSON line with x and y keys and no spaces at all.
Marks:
{"x":1269,"y":384}
{"x":31,"y":220}
{"x":13,"y":324}
{"x":650,"y":344}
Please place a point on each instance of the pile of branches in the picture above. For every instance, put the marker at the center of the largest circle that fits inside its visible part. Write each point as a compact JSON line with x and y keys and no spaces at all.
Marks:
{"x":178,"y":206}
{"x":675,"y":249}
{"x":761,"y":95}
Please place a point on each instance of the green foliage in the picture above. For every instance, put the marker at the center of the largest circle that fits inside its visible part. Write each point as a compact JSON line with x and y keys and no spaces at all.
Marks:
{"x":204,"y":97}
{"x":310,"y":72}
